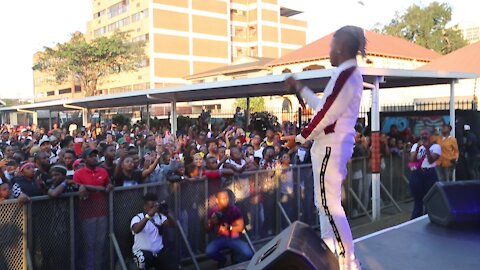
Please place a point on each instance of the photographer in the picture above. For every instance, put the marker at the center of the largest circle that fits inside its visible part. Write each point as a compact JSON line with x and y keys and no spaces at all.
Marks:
{"x":423,"y":157}
{"x":226,"y":221}
{"x":148,"y":227}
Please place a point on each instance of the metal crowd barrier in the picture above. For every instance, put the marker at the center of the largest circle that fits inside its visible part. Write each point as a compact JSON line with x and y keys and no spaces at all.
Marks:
{"x":48,"y":232}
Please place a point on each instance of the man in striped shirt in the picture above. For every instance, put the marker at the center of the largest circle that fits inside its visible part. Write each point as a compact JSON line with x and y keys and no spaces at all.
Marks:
{"x":332,"y":130}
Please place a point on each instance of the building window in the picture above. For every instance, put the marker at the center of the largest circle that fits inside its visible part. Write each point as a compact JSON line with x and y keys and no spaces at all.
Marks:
{"x":136,"y":17}
{"x":313,"y":67}
{"x":140,"y":15}
{"x":65,"y":91}
{"x":100,"y":31}
{"x":143,"y":63}
{"x":252,"y":30}
{"x":118,"y":24}
{"x":238,"y":31}
{"x":287,"y":70}
{"x":286,"y":106}
{"x":50,"y":93}
{"x":99,"y":14}
{"x":238,"y":12}
{"x":238,"y":52}
{"x":140,"y":38}
{"x":252,"y":51}
{"x":118,"y":8}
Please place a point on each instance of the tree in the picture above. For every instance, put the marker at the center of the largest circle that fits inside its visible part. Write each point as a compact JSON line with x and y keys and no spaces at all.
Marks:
{"x":261,"y":121}
{"x":121,"y":120}
{"x":257,"y":104}
{"x":426,"y":26}
{"x":89,"y":61}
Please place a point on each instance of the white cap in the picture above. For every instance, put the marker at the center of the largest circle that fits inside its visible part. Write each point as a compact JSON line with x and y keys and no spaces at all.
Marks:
{"x":43,"y":141}
{"x":466,"y":127}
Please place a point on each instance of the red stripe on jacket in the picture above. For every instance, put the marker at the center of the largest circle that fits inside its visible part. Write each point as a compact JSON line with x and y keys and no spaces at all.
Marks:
{"x":342,"y":78}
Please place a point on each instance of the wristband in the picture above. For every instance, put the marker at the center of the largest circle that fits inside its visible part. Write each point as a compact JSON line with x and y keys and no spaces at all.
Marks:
{"x":147,"y":216}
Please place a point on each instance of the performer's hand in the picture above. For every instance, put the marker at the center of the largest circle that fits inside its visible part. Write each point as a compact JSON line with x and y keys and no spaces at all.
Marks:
{"x":296,"y":87}
{"x":300,"y":139}
{"x":223,"y":230}
{"x":293,"y":84}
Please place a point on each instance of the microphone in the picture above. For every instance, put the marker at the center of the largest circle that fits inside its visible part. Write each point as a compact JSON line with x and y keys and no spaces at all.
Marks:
{"x":300,"y":99}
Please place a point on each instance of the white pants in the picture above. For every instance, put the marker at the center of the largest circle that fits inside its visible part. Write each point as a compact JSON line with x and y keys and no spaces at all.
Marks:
{"x":334,"y":173}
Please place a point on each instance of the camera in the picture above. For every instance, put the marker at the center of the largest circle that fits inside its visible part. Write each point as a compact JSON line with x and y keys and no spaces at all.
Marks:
{"x":162,"y":207}
{"x":218,"y":214}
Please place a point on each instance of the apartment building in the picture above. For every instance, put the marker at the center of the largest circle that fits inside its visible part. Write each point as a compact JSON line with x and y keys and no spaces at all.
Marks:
{"x":471,"y":32}
{"x":185,"y":37}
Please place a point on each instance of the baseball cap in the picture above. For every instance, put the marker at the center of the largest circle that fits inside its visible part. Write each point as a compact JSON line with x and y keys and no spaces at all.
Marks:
{"x":28,"y":163}
{"x":77,"y":162}
{"x":44,"y":140}
{"x":53,"y":138}
{"x":466,"y":127}
{"x":59,"y":168}
{"x":89,"y":151}
{"x":122,"y":140}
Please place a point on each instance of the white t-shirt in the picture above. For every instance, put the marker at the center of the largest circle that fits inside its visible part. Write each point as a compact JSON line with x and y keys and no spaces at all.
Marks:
{"x":72,"y":128}
{"x":258,"y":153}
{"x":241,"y":185}
{"x":149,"y":238}
{"x":434,"y":149}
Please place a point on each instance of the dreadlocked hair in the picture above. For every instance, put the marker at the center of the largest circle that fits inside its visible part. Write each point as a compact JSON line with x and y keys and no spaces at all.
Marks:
{"x":356,"y":37}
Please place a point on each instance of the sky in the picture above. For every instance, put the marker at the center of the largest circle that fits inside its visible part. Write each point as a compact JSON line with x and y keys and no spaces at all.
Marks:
{"x":28,"y":26}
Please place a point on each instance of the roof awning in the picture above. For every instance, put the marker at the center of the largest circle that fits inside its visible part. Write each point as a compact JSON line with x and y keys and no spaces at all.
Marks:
{"x":248,"y":87}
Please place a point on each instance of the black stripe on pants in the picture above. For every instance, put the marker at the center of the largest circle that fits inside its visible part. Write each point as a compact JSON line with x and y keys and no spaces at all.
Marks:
{"x":324,"y":200}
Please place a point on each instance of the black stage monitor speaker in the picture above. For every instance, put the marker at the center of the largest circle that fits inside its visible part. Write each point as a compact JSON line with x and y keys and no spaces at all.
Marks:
{"x":298,"y":247}
{"x":454,"y":203}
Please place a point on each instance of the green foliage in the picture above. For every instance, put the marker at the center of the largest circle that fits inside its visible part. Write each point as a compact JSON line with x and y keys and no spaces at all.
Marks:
{"x":426,"y":26}
{"x":260,"y":121}
{"x":184,"y":122}
{"x":14,"y":102}
{"x":121,"y":120}
{"x":257,"y":104}
{"x":89,"y":61}
{"x":155,"y":122}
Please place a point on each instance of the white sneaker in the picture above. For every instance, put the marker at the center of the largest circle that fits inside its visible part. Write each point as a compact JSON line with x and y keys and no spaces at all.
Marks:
{"x":349,"y":264}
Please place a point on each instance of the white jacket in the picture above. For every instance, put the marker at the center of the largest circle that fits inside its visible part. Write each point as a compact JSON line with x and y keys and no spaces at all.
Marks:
{"x":337,"y":112}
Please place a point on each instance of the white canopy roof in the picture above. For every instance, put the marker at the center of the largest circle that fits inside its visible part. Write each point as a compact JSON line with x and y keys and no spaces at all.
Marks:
{"x":249,"y":87}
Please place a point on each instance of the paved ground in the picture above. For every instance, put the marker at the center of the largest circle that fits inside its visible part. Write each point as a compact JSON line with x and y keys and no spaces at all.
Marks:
{"x":360,"y":227}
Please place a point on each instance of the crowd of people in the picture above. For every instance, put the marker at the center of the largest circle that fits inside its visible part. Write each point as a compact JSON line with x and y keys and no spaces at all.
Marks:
{"x":97,"y":159}
{"x":93,"y":161}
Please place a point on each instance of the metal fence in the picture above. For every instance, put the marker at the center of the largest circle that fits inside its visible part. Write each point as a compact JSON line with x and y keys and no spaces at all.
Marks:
{"x":430,"y":106}
{"x":51,"y":231}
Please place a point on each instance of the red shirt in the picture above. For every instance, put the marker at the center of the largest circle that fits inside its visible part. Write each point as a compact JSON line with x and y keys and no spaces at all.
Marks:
{"x":77,"y":147}
{"x":96,"y":204}
{"x":214,"y":180}
{"x":229,"y":215}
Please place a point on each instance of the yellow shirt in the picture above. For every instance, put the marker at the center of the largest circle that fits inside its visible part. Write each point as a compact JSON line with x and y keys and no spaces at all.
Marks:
{"x":449,"y":151}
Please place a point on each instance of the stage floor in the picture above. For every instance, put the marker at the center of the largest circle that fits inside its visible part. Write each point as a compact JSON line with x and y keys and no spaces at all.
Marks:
{"x":416,"y":244}
{"x":420,"y":244}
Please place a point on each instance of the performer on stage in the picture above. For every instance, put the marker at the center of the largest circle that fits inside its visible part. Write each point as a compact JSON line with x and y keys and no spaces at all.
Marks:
{"x":333,"y":133}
